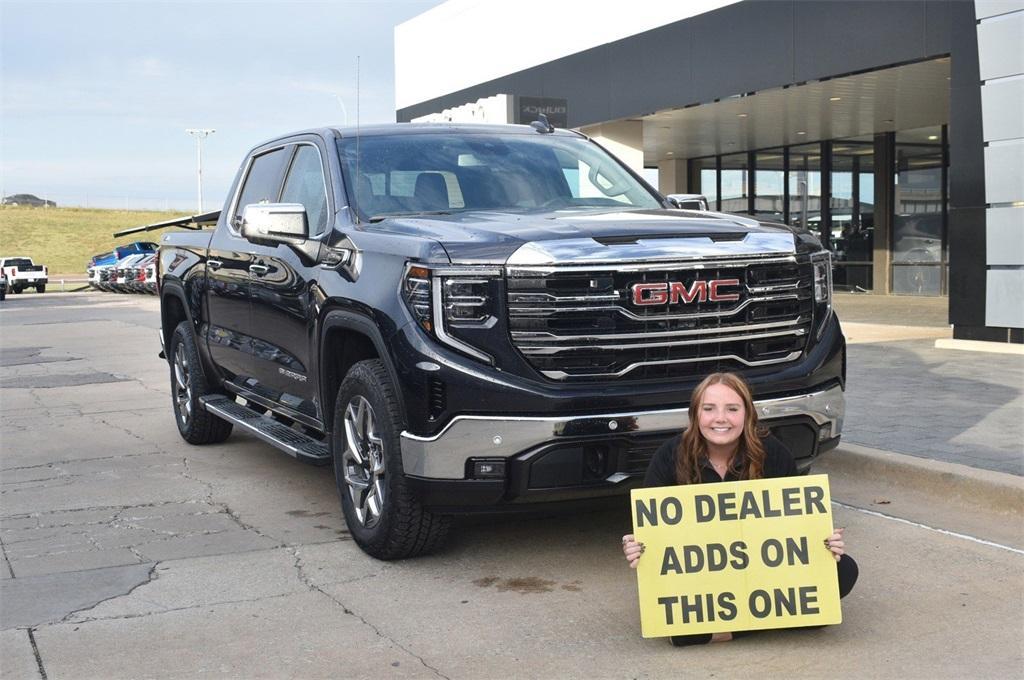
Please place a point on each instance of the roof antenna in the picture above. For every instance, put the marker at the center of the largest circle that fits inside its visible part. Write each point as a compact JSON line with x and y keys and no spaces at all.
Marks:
{"x":542,"y":125}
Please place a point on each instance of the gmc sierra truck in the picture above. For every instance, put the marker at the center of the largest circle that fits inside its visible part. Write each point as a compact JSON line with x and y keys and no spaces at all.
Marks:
{"x":467,"y":318}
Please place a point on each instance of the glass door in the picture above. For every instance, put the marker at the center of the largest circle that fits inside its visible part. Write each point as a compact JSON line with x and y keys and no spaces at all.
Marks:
{"x":853,"y":207}
{"x":919,"y":222}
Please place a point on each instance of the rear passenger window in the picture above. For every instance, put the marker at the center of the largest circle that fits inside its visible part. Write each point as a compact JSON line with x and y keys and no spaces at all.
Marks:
{"x":262,"y":183}
{"x":305,"y":185}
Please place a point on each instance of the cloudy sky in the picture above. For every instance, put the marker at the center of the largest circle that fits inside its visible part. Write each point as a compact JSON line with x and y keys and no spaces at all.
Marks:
{"x":95,"y":97}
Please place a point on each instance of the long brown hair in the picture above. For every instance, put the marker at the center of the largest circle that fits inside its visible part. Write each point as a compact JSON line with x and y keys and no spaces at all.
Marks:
{"x":749,"y":458}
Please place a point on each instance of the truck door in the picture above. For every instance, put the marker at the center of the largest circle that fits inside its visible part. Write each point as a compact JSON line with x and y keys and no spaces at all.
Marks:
{"x":229,"y":332}
{"x":283,"y":320}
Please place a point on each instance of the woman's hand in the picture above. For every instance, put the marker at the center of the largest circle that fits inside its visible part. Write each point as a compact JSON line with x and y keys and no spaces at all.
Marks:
{"x":834,"y":543}
{"x":632,"y":550}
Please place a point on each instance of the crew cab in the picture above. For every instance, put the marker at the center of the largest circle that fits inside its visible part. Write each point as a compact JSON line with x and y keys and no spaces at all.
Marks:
{"x":466,"y":318}
{"x":22,"y":273}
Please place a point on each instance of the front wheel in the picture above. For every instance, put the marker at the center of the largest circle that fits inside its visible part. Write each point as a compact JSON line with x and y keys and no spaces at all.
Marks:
{"x":188,"y":383}
{"x":383,"y":514}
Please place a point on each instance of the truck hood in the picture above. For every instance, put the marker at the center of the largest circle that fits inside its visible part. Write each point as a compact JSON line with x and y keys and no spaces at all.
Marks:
{"x":499,"y":238}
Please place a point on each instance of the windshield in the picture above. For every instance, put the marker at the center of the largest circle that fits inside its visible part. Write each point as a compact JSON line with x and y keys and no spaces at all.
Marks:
{"x":410,"y":174}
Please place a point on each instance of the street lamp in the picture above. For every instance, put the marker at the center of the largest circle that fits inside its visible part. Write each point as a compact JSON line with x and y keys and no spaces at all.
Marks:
{"x":200,"y":134}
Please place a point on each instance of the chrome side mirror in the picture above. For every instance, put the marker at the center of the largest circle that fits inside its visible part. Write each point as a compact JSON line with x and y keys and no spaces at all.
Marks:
{"x":275,"y":222}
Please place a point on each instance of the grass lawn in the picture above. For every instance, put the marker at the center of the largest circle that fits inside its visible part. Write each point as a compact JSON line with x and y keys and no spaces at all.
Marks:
{"x":65,"y":238}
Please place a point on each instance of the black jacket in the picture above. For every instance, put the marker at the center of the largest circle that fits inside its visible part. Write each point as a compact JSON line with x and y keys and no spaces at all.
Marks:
{"x":778,"y":462}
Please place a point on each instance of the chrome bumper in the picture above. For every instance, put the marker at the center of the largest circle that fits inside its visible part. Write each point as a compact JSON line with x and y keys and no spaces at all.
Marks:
{"x":444,"y":455}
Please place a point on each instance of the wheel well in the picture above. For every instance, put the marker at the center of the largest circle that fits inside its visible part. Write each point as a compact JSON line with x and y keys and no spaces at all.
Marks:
{"x":342,"y":348}
{"x":172,"y":312}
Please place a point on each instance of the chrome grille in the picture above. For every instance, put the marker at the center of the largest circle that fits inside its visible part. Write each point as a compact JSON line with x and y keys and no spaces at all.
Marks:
{"x":575,"y":324}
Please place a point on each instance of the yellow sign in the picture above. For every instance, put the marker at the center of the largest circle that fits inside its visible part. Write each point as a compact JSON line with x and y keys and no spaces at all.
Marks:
{"x":735,"y":556}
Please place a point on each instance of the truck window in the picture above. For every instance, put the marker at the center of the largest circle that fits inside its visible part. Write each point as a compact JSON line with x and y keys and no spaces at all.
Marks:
{"x":262,"y":182}
{"x":305,"y":184}
{"x":413,"y":173}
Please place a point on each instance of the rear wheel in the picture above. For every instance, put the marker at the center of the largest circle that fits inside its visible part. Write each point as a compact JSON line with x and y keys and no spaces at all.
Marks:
{"x":17,"y":291}
{"x":188,"y":383}
{"x":41,"y":288}
{"x":383,"y":514}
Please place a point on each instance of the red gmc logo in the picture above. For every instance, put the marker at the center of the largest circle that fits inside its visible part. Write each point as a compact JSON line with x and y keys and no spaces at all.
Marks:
{"x":674,"y":292}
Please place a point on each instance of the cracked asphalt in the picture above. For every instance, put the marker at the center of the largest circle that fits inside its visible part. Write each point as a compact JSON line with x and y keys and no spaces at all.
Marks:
{"x":129,"y":554}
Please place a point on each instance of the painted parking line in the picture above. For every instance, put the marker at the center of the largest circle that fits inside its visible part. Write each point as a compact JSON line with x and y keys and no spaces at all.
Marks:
{"x":955,"y":534}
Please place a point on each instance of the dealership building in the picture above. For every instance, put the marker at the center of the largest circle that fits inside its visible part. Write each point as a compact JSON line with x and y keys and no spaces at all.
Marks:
{"x":894,"y":130}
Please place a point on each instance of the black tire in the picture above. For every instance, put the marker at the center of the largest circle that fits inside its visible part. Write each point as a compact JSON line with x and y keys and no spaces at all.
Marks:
{"x":17,"y":291}
{"x":41,"y":288}
{"x":188,"y":383}
{"x":384,"y":516}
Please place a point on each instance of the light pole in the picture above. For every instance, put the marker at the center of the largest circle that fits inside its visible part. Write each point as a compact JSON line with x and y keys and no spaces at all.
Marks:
{"x":200,"y":134}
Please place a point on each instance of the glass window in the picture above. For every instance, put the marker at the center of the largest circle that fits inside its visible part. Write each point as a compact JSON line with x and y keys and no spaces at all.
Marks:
{"x":770,"y":185}
{"x":262,"y":182}
{"x":852,"y":201}
{"x":919,"y":220}
{"x":485,"y":172}
{"x":305,"y":185}
{"x":734,"y":183}
{"x":704,"y":170}
{"x":805,"y":186}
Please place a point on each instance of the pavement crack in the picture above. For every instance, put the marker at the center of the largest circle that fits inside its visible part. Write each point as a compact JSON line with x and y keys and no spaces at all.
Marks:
{"x":150,"y":577}
{"x":73,"y":461}
{"x":305,"y":580}
{"x":7,"y":561}
{"x":204,"y":605}
{"x":35,"y":652}
{"x":248,"y":527}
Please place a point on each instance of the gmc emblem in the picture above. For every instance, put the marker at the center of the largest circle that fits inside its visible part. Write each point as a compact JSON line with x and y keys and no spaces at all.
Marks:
{"x":673,"y":292}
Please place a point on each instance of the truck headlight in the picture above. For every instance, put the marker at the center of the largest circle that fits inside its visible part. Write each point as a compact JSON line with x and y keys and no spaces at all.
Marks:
{"x":453,"y":304}
{"x":822,"y":264}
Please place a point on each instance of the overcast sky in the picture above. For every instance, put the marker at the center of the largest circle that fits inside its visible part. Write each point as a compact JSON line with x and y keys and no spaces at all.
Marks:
{"x":96,"y":96}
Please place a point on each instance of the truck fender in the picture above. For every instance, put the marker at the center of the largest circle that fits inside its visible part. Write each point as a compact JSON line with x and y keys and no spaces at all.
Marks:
{"x":169,"y":290}
{"x":362,"y":325}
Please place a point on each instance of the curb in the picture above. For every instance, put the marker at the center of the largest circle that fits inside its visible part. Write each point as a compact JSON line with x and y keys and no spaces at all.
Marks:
{"x":996,"y":491}
{"x":980,"y":346}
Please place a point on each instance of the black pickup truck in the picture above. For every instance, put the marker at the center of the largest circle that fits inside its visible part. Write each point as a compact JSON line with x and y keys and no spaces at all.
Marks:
{"x":479,"y":318}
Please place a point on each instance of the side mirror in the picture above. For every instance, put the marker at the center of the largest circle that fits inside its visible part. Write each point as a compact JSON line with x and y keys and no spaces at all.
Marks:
{"x":275,"y":222}
{"x":672,"y":202}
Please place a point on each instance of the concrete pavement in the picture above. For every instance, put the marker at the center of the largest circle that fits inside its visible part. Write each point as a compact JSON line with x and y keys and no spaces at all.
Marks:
{"x":131,"y":554}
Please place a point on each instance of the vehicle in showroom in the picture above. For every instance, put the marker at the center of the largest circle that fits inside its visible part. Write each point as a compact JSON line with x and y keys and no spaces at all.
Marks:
{"x":481,"y":318}
{"x":23,"y":273}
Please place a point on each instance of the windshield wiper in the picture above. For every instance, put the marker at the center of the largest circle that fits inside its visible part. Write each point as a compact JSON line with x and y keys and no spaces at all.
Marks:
{"x":385,"y":216}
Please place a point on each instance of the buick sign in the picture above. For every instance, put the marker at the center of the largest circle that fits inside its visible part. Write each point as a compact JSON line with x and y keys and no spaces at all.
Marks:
{"x":674,"y":292}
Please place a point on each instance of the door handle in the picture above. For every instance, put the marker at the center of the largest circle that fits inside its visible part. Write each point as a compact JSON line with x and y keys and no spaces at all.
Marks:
{"x":214,"y":264}
{"x":258,"y":269}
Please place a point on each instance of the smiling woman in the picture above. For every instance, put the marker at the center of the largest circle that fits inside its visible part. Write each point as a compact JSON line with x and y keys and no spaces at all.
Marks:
{"x":724,"y":443}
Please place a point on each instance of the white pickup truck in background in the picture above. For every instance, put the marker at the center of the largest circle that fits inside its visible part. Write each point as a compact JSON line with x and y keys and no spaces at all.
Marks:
{"x":22,"y":273}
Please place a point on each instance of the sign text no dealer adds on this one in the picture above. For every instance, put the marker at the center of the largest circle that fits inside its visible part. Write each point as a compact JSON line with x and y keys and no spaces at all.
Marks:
{"x":736,"y":556}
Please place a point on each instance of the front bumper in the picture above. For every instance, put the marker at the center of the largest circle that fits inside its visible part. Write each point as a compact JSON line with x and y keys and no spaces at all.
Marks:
{"x":809,"y":423}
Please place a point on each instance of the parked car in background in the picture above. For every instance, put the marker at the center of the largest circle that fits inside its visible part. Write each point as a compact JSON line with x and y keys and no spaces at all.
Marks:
{"x":23,"y":273}
{"x":29,"y":200}
{"x":99,"y":267}
{"x":122,"y":276}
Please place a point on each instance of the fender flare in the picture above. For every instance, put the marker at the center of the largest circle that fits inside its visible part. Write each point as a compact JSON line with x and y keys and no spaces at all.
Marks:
{"x":364,"y":325}
{"x":175,"y":290}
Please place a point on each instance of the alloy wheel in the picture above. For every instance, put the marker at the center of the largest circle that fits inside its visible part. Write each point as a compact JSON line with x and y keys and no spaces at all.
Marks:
{"x":182,"y":385}
{"x":363,"y":462}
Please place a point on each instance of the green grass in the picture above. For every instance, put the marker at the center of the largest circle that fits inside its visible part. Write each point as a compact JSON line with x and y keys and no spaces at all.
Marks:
{"x":65,"y":238}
